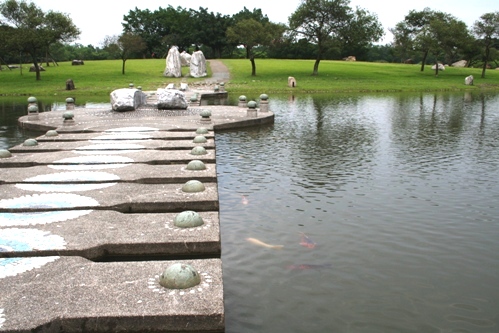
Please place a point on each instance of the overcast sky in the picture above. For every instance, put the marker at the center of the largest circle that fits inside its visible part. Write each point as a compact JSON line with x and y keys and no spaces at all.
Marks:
{"x":98,"y":18}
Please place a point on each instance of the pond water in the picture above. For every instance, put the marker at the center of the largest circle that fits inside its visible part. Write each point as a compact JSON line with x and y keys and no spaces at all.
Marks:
{"x":386,"y":207}
{"x":398,"y":193}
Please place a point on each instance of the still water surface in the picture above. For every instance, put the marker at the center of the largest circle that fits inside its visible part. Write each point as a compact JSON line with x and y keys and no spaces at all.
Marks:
{"x":400,"y":193}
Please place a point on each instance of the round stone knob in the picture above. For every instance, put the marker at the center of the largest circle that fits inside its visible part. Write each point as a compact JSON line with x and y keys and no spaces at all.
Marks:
{"x":4,"y":153}
{"x":30,"y":143}
{"x":196,"y":165}
{"x":179,"y":276}
{"x":188,"y":219}
{"x":193,"y":186}
{"x":198,"y":150}
{"x":51,"y":133}
{"x":68,"y":115}
{"x":202,"y":130}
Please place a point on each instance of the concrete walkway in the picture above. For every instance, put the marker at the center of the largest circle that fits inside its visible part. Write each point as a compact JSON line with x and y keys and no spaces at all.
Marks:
{"x":89,"y":221}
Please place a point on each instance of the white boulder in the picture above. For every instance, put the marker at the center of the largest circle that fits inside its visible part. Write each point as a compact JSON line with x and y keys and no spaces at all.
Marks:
{"x":185,"y":59}
{"x":173,"y":64}
{"x":198,"y":65}
{"x":441,"y":67}
{"x":127,"y":99}
{"x":171,"y":99}
{"x":468,"y":80}
{"x":460,"y":63}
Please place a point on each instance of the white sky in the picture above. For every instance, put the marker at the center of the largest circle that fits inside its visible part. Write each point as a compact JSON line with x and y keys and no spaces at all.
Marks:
{"x":98,"y":18}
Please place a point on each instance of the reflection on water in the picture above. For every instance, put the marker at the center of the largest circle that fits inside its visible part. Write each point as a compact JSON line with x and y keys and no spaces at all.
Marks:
{"x":11,"y":110}
{"x":399,"y":194}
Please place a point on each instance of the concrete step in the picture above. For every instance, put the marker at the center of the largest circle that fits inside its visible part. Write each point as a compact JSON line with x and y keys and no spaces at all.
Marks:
{"x":121,"y":197}
{"x":71,"y":294}
{"x":121,"y":134}
{"x":72,"y":157}
{"x":103,"y":145}
{"x":98,"y":173}
{"x":107,"y":235}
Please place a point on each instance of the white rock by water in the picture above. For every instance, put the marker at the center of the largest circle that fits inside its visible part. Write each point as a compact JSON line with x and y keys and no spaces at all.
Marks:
{"x":127,"y":99}
{"x":171,"y":99}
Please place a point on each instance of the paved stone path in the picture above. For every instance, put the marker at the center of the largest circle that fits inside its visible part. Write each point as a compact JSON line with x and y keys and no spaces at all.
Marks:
{"x":88,"y":221}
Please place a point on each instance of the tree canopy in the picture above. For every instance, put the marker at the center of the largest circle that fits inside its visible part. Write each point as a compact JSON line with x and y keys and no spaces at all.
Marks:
{"x":430,"y":31}
{"x":487,"y":30}
{"x":27,"y":29}
{"x":332,"y":23}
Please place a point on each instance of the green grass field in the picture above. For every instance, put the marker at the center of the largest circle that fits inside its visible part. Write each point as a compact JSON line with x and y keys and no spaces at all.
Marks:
{"x":96,"y":79}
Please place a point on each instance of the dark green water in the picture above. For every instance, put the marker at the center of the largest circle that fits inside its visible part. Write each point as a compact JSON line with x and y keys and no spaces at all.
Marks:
{"x":400,"y":193}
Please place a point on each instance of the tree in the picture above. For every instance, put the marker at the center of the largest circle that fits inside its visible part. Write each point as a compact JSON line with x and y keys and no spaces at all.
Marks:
{"x":210,"y":30}
{"x":251,"y":33}
{"x":429,"y":31}
{"x":162,"y":28}
{"x":487,"y":30}
{"x":32,"y":31}
{"x":124,"y":46}
{"x":363,"y":29}
{"x":332,"y":23}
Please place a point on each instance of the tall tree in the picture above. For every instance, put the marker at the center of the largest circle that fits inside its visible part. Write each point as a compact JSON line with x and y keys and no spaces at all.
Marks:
{"x":412,"y":33}
{"x":328,"y":23}
{"x":430,"y":31}
{"x":487,"y":30}
{"x":32,"y":31}
{"x":251,"y":33}
{"x":124,"y":46}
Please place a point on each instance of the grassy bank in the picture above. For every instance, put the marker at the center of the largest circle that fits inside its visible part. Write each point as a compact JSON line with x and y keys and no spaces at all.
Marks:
{"x":342,"y":76}
{"x":96,"y":79}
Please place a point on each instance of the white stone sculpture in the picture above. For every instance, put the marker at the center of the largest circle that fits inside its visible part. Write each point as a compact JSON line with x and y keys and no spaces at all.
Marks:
{"x":171,"y":99}
{"x":460,"y":63}
{"x":198,"y":65}
{"x":173,"y":64}
{"x":127,"y":99}
{"x":468,"y":80}
{"x":185,"y":59}
{"x":441,"y":67}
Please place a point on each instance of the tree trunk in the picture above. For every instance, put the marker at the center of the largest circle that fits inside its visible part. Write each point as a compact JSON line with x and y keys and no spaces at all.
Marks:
{"x":487,"y":53}
{"x":425,"y":55}
{"x":316,"y":67}
{"x":436,"y":67}
{"x":123,"y":67}
{"x":253,"y":66}
{"x":37,"y":69}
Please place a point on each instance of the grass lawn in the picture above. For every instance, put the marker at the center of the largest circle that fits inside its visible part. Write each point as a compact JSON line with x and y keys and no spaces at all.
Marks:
{"x":342,"y":76}
{"x":96,"y":79}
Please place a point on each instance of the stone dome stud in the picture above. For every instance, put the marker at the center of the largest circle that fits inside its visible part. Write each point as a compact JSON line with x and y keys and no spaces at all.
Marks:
{"x":193,"y":186}
{"x":196,"y":165}
{"x":188,"y":219}
{"x":179,"y":276}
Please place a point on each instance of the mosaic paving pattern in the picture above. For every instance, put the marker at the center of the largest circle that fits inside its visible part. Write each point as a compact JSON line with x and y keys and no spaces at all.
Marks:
{"x":15,"y":239}
{"x":206,"y":280}
{"x":47,"y":200}
{"x":91,"y":162}
{"x":68,"y":177}
{"x":15,"y":266}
